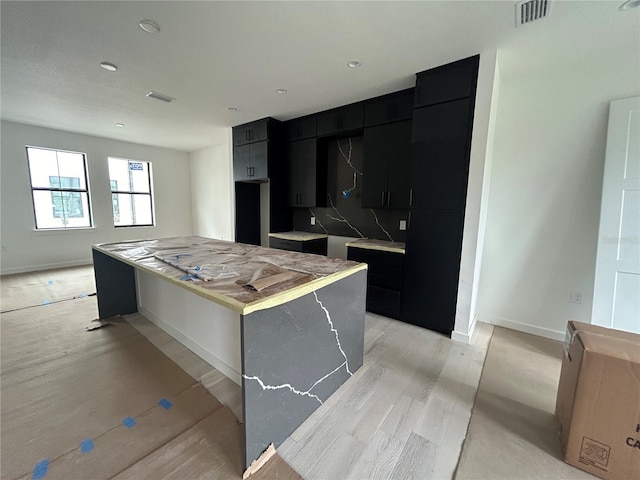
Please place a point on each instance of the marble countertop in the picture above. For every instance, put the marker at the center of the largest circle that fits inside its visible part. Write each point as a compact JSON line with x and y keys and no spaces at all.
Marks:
{"x":299,"y":236}
{"x":224,"y":272}
{"x":373,"y":244}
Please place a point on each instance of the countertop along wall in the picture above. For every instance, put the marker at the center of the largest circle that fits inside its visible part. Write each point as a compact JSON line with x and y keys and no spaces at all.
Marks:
{"x":25,"y":249}
{"x":546,"y":186}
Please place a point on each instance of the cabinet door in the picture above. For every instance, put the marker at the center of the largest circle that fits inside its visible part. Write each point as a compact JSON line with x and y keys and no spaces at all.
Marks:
{"x":448,"y":82}
{"x":400,"y":134}
{"x":432,"y":268}
{"x":248,"y":213}
{"x":259,"y":160}
{"x":341,"y":119}
{"x":390,"y":108}
{"x":375,"y":166}
{"x":440,"y":155}
{"x":292,"y":162}
{"x":241,"y":162}
{"x":301,"y":128}
{"x":258,"y":131}
{"x":307,"y":173}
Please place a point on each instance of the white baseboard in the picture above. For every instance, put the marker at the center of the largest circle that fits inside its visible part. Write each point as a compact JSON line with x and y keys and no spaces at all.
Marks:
{"x":48,"y":266}
{"x":524,"y":327}
{"x":465,"y":337}
{"x":207,"y":356}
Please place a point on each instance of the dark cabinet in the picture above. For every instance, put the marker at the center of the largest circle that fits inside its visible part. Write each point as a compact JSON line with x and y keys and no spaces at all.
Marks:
{"x":389,"y":108}
{"x":247,"y":213}
{"x":301,"y":128}
{"x":432,"y":267}
{"x":307,"y":174}
{"x":384,"y":279}
{"x":386,"y":164}
{"x":251,"y":132}
{"x":448,"y":82}
{"x":250,"y":162}
{"x":440,"y":156}
{"x":317,"y":246}
{"x":350,"y":117}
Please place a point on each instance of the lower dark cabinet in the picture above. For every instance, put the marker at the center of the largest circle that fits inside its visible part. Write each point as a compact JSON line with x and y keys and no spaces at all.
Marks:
{"x":248,"y":209}
{"x":432,"y":268}
{"x":384,"y":279}
{"x":317,"y":246}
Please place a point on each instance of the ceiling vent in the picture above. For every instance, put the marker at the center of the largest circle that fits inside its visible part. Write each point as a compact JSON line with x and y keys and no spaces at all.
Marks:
{"x":160,"y":96}
{"x":531,"y":10}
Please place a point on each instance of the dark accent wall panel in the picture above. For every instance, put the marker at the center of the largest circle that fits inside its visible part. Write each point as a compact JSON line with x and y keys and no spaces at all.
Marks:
{"x":344,"y":216}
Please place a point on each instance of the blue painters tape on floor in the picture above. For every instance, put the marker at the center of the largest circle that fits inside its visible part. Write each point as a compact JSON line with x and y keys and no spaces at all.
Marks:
{"x":46,"y":302}
{"x":86,"y":445}
{"x":40,"y":470}
{"x":164,"y":403}
{"x":50,"y":282}
{"x":128,"y":422}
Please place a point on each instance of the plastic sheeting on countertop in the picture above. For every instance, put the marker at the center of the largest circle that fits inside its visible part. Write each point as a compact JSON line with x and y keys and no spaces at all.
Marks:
{"x":225,"y":267}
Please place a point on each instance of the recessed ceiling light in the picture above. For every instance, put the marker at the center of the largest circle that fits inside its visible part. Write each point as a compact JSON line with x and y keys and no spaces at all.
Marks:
{"x":281,"y":91}
{"x":232,"y":109}
{"x":149,"y":26}
{"x":121,"y":125}
{"x":353,"y":64}
{"x":109,"y":66}
{"x":629,"y":4}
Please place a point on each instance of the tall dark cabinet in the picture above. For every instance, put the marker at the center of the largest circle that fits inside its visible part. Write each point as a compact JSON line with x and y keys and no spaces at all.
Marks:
{"x":258,"y":158}
{"x":442,"y":128}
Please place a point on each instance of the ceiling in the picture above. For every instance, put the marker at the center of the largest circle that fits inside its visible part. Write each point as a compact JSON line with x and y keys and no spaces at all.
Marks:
{"x":214,"y":55}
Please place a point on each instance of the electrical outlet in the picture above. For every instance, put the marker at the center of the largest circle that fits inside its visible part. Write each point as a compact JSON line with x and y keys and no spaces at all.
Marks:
{"x":576,"y":297}
{"x":313,"y":220}
{"x":403,"y":224}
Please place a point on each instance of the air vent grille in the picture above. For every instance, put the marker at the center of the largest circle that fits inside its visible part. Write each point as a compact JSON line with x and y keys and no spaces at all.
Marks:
{"x":160,"y":96}
{"x":531,"y":10}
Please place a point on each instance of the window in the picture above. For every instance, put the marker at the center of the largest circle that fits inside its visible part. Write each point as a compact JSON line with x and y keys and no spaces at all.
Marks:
{"x":59,"y":188}
{"x":131,"y":200}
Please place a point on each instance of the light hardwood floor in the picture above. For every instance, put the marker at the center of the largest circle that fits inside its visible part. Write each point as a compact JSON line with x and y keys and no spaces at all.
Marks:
{"x":403,"y":415}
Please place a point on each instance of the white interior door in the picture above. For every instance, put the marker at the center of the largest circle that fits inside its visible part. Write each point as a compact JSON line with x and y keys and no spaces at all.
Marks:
{"x":616,"y":299}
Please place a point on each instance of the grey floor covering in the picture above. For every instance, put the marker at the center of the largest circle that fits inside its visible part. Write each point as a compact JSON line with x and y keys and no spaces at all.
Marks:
{"x":513,"y":433}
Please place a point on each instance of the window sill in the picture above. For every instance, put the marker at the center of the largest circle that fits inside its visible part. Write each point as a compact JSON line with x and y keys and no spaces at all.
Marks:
{"x":62,"y":231}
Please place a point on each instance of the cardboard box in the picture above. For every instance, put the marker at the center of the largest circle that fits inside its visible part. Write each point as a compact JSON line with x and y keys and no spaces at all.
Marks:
{"x":598,"y":403}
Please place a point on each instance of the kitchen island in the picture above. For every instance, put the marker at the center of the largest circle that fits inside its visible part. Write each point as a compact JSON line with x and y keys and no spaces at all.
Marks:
{"x":288,"y":326}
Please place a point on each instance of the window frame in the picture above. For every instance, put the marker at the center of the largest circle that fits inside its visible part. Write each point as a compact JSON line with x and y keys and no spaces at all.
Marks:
{"x":132,"y":193}
{"x":60,"y":189}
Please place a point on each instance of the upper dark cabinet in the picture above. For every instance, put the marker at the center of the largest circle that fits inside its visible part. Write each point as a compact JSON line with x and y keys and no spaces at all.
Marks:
{"x":257,"y":131}
{"x":341,"y":119}
{"x":387,"y":159}
{"x":301,"y":128}
{"x":307,"y":174}
{"x":440,"y":163}
{"x":448,"y":82}
{"x":389,"y":108}
{"x":250,"y":162}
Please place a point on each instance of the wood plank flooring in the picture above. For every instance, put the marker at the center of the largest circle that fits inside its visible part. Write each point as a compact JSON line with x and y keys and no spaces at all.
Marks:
{"x":404,"y":414}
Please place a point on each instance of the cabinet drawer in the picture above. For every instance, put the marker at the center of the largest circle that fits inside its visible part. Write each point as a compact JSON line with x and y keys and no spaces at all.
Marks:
{"x":283,"y":244}
{"x":448,"y":82}
{"x":383,"y":301}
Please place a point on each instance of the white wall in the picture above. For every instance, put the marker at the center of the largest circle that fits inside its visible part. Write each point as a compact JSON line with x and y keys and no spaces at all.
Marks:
{"x":546,"y":184}
{"x":24,"y":249}
{"x":476,"y":208}
{"x":212,"y":200}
